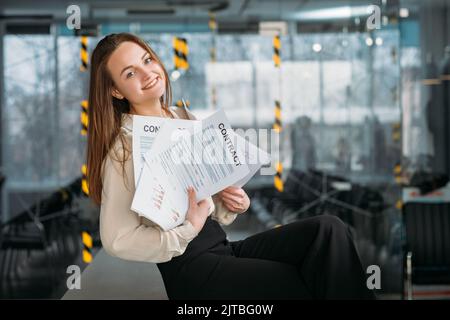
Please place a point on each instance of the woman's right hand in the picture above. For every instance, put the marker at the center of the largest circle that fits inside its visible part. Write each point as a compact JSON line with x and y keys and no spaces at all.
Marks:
{"x":197,"y":212}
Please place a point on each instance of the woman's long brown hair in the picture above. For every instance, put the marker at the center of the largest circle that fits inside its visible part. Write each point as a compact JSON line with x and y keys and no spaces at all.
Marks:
{"x":105,"y":111}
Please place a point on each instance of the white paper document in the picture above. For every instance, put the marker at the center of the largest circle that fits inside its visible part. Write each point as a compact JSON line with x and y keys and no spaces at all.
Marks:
{"x":203,"y":154}
{"x":145,"y":130}
{"x":254,"y":158}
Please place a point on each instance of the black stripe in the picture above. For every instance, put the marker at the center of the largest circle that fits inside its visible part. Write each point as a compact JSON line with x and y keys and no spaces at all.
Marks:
{"x":277,"y":51}
{"x":278,"y":122}
{"x":181,"y":55}
{"x":87,"y":249}
{"x":83,"y":46}
{"x":84,"y":64}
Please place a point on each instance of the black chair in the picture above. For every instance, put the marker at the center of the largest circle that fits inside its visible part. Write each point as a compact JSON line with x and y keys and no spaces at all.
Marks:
{"x":427,"y":248}
{"x":50,"y":227}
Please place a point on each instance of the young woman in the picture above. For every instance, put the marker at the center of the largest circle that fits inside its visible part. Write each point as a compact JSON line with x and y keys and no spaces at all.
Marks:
{"x":312,"y":258}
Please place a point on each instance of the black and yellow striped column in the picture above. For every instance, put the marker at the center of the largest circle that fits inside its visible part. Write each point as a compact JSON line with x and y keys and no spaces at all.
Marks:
{"x":84,"y":117}
{"x":276,"y":51}
{"x":398,"y":173}
{"x":277,"y":126}
{"x":84,"y":181}
{"x":181,"y":51}
{"x":87,"y":247}
{"x":84,"y":56}
{"x":212,"y":23}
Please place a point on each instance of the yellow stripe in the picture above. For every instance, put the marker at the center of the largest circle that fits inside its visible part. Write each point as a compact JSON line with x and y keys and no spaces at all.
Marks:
{"x":276,"y":42}
{"x":278,"y":184}
{"x":83,"y":132}
{"x":212,"y":24}
{"x":84,"y":186}
{"x":399,"y":204}
{"x":84,"y":40}
{"x":180,"y":63}
{"x":87,"y":239}
{"x":176,"y":61}
{"x":84,"y":119}
{"x":278,"y":113}
{"x":84,"y":104}
{"x":176,"y":43}
{"x":276,"y":60}
{"x":184,"y":48}
{"x":84,"y":56}
{"x":84,"y":169}
{"x":397,"y":169}
{"x":184,"y":64}
{"x":87,"y":257}
{"x":398,"y":179}
{"x":279,"y":167}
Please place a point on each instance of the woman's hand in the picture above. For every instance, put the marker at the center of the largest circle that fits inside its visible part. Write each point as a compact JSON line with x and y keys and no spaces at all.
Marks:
{"x":235,"y":199}
{"x":197,"y":212}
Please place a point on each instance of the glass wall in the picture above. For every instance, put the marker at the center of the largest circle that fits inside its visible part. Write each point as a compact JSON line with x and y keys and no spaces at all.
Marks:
{"x":339,"y":95}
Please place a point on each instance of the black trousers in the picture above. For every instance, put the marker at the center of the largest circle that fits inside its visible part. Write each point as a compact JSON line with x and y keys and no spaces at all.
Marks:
{"x":314,"y":258}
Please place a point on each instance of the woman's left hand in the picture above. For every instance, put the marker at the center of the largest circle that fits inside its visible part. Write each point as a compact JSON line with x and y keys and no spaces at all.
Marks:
{"x":235,"y":199}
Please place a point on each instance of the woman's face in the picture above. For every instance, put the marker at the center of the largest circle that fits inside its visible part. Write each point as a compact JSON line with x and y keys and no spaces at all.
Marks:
{"x":136,"y":76}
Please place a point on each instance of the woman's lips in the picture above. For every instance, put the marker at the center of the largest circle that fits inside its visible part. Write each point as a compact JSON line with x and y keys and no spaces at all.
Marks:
{"x":151,"y":84}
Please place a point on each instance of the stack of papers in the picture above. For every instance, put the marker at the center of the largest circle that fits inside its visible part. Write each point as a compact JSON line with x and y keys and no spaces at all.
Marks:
{"x":171,"y":155}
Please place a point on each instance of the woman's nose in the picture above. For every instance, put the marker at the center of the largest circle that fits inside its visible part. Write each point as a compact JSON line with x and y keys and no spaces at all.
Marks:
{"x":147,"y":74}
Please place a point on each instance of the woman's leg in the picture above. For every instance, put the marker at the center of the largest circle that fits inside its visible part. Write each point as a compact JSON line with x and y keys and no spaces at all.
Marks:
{"x":221,"y":276}
{"x":322,"y":251}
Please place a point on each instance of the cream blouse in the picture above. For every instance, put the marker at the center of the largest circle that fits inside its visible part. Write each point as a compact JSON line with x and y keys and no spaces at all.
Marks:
{"x":124,"y":234}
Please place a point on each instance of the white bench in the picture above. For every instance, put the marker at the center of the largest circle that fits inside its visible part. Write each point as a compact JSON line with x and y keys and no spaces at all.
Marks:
{"x":107,"y":277}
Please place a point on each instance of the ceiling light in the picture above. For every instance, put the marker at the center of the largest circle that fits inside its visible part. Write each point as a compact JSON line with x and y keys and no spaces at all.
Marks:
{"x":344,"y":12}
{"x":379,"y":41}
{"x":317,"y":47}
{"x":175,"y":75}
{"x":404,"y":13}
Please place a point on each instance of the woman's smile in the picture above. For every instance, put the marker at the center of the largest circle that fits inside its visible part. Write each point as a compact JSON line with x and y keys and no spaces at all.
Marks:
{"x":152,"y":83}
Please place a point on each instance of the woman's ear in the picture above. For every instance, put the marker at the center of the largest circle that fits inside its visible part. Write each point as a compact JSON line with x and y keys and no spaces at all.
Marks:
{"x":116,"y":94}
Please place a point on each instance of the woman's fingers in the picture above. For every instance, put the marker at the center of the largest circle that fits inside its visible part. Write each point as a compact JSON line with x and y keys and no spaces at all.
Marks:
{"x":232,"y":206}
{"x":239,"y":192}
{"x":231,"y":197}
{"x":191,"y":195}
{"x":204,"y":204}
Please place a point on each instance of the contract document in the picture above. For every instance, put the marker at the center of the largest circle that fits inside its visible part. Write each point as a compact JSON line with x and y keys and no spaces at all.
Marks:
{"x":145,"y":130}
{"x":207,"y":155}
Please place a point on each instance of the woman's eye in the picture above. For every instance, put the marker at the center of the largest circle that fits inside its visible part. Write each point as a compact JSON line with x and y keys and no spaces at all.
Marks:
{"x":148,"y":60}
{"x":130,"y":74}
